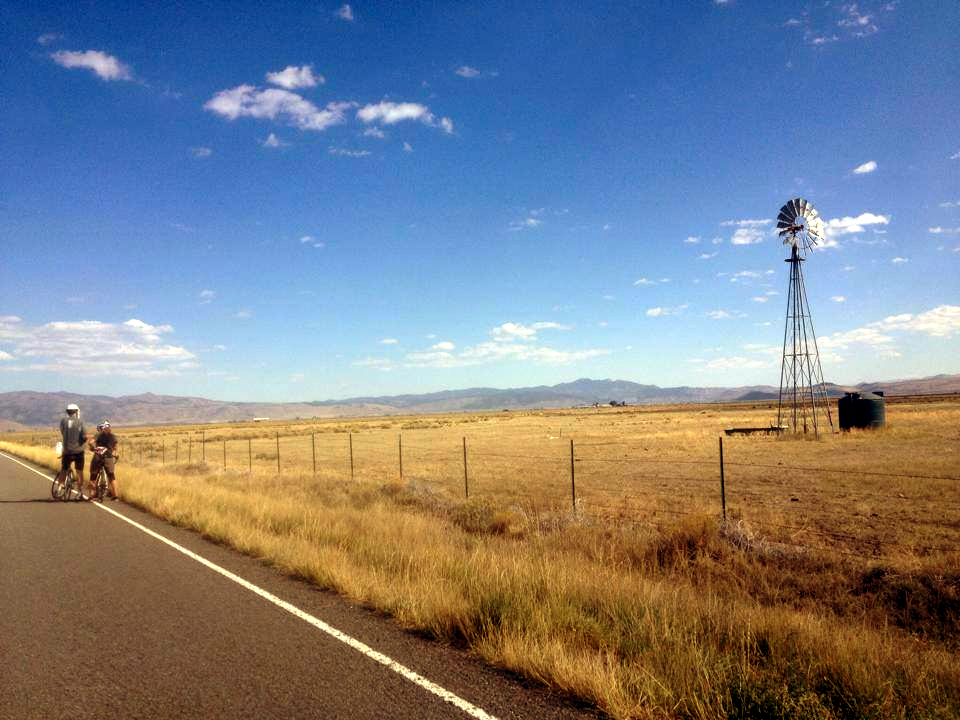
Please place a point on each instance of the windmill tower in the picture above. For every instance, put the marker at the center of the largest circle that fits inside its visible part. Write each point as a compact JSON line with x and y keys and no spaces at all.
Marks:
{"x":803,"y":400}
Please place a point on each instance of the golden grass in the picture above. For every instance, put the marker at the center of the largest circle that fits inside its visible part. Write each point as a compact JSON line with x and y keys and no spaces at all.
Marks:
{"x":643,"y":612}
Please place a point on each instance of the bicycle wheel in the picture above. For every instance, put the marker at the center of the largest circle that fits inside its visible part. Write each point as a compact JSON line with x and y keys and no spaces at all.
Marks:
{"x":71,"y":487}
{"x":101,"y":485}
{"x":56,"y":488}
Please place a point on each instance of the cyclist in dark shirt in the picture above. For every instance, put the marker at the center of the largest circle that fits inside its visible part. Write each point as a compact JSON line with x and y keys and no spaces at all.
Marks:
{"x":74,"y":437}
{"x":106,"y":450}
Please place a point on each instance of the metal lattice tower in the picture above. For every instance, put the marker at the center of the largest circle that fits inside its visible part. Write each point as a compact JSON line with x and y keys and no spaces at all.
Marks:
{"x":803,"y":406}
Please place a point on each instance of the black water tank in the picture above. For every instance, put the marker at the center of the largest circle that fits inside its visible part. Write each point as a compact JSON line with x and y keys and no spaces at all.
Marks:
{"x":862,"y":410}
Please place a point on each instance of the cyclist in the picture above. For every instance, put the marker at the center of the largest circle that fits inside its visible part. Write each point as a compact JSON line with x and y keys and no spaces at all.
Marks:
{"x":106,"y":450}
{"x":74,"y":436}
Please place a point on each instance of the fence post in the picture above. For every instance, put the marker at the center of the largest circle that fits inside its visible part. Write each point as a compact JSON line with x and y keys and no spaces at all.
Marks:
{"x":723,"y":490}
{"x":351,"y":457}
{"x":400,"y":446}
{"x":278,"y":453}
{"x":466,"y":484}
{"x":573,"y":478}
{"x":313,"y":442}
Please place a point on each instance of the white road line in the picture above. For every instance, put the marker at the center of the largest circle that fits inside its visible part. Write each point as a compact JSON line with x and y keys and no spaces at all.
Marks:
{"x":402,"y":670}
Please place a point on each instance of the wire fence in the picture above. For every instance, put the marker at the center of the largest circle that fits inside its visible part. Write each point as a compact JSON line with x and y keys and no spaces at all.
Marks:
{"x":849,"y":511}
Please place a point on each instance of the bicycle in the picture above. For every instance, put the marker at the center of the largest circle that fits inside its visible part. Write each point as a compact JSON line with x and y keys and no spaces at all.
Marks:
{"x":100,"y":485}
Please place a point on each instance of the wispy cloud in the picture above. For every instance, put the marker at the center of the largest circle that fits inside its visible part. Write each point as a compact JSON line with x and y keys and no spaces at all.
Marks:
{"x":207,"y":296}
{"x":200,"y":152}
{"x":389,"y":341}
{"x":91,"y":347}
{"x":937,"y":230}
{"x":345,"y":13}
{"x":344,"y":152}
{"x":866,"y":168}
{"x":272,"y":141}
{"x":465,"y":71}
{"x":666,"y":311}
{"x":508,"y":342}
{"x":105,"y":66}
{"x":389,"y":113}
{"x":49,"y":38}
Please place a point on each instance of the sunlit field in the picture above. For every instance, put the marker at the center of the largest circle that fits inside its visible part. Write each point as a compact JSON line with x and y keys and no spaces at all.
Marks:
{"x":588,"y":549}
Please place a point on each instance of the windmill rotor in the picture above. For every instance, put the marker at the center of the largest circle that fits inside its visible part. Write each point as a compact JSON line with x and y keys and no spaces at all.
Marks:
{"x":800,"y":225}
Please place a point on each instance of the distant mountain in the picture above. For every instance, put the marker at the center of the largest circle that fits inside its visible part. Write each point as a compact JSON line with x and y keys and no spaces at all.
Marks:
{"x":35,"y":409}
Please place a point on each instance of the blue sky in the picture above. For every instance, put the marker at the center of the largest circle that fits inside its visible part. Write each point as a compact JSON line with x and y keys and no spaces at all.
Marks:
{"x":300,"y":201}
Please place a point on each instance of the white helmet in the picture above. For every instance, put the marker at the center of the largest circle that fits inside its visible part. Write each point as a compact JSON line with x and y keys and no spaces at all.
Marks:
{"x":72,"y":408}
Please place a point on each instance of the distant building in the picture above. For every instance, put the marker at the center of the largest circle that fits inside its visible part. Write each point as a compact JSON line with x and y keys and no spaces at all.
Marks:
{"x":260,"y":419}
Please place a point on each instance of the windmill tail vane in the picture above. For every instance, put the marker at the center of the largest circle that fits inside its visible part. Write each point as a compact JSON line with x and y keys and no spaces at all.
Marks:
{"x":803,"y":405}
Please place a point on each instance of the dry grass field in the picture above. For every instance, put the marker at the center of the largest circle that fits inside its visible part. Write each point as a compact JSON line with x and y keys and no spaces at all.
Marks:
{"x":603,"y":567}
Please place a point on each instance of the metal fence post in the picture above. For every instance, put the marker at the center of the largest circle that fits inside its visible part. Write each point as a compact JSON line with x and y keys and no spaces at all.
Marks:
{"x":466,"y":484}
{"x":573,"y":479}
{"x":723,"y":490}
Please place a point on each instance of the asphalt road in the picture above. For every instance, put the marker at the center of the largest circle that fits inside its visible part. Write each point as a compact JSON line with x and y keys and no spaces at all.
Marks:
{"x":101,"y":619}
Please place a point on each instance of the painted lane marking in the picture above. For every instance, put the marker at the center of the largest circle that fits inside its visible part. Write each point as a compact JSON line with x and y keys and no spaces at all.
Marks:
{"x":364,"y":649}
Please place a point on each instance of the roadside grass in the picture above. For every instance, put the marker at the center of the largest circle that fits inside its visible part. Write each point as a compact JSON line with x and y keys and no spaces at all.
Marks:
{"x":645,"y":615}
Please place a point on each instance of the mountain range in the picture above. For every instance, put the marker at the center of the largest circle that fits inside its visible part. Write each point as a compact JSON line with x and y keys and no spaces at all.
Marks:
{"x":25,"y":409}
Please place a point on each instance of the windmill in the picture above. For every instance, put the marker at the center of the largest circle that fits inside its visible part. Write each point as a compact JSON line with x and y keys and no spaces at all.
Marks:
{"x":803,"y":400}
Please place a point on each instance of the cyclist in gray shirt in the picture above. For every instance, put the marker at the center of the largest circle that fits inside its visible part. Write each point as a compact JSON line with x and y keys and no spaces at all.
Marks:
{"x":74,"y":438}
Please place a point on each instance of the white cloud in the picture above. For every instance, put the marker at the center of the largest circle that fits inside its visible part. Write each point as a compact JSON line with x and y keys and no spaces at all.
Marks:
{"x":643,"y":282}
{"x":243,"y":314}
{"x":848,"y":225}
{"x":838,"y":298}
{"x":446,"y":345}
{"x":867,"y":167}
{"x":5,"y":355}
{"x":944,"y":231}
{"x":389,"y":341}
{"x":345,"y":13}
{"x":530,"y":222}
{"x":374,"y":132}
{"x":950,"y":204}
{"x":276,"y":103}
{"x":407,"y":147}
{"x":692,"y":239}
{"x":666,"y":311}
{"x":343,"y":152}
{"x":49,"y":38}
{"x":311,"y":240}
{"x":201,"y":152}
{"x":899,"y":260}
{"x":388,"y":113}
{"x":90,"y":347}
{"x":747,"y":236}
{"x":745,"y":223}
{"x":105,"y":66}
{"x":381,"y":364}
{"x":719,"y":315}
{"x":207,"y":296}
{"x":465,"y":71}
{"x":706,"y":256}
{"x":293,"y":77}
{"x":955,"y":156}
{"x":760,"y":298}
{"x":273,"y":141}
{"x":509,"y":331}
